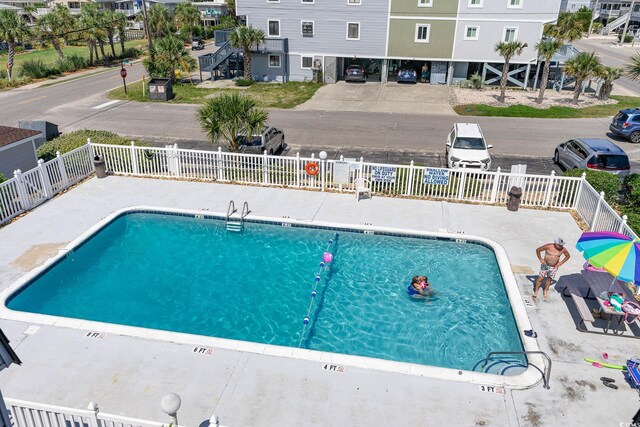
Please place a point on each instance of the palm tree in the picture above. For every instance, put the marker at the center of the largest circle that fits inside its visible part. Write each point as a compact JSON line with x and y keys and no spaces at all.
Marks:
{"x":187,"y":16}
{"x":546,"y":49}
{"x":244,"y":38}
{"x":52,"y":26}
{"x":109,"y":26}
{"x":30,"y":11}
{"x":13,"y":29}
{"x":121,"y":26}
{"x":507,"y":50}
{"x":607,"y":75}
{"x":582,"y":66}
{"x":633,"y":67}
{"x":159,"y":20}
{"x":568,"y":27}
{"x":229,"y":116}
{"x":170,"y":55}
{"x":88,"y":21}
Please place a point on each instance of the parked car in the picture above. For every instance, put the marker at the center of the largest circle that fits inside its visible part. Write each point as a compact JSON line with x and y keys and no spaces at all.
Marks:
{"x":355,"y":73}
{"x":407,"y":75}
{"x":627,"y":124}
{"x":270,"y":141}
{"x":592,"y":153}
{"x":197,"y":43}
{"x":467,"y":147}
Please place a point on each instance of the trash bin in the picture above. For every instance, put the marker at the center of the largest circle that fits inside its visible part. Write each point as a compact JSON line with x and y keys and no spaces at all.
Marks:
{"x":101,"y":168}
{"x":160,"y":90}
{"x":513,"y":203}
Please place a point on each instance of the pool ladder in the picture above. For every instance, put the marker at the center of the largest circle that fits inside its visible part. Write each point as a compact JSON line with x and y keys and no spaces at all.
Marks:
{"x":236,"y":224}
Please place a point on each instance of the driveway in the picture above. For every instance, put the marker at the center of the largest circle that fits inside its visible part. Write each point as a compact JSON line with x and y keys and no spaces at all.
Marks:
{"x":421,"y":99}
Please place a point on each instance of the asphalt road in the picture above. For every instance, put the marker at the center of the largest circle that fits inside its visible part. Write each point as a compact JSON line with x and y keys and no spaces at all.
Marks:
{"x":614,"y":56}
{"x":81,"y":104}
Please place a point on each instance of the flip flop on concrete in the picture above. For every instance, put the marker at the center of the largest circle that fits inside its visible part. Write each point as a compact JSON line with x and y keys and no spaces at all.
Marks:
{"x":607,"y":380}
{"x":610,"y":385}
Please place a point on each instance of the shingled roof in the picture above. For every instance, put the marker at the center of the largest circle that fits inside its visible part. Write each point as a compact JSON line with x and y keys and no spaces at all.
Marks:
{"x":9,"y":135}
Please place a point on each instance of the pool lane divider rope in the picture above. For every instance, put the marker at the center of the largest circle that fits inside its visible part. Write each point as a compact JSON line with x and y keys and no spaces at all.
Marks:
{"x":314,"y":292}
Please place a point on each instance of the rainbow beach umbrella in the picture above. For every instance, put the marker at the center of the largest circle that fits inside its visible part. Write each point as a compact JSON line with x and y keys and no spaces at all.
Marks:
{"x":616,"y":253}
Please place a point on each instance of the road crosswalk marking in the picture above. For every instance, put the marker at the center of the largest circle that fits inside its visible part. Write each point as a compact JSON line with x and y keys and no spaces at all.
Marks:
{"x":106,"y":104}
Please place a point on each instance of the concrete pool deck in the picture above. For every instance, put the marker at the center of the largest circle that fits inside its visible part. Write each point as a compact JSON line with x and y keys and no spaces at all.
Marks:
{"x":128,"y":375}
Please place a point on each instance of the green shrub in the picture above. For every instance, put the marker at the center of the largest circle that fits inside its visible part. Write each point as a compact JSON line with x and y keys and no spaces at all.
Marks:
{"x":131,"y":52}
{"x":631,"y":187}
{"x":627,"y":39}
{"x":244,"y":82}
{"x":633,"y":219}
{"x":3,"y":74}
{"x":36,"y":69}
{"x":72,"y":63}
{"x":2,"y":178}
{"x":73,"y":140}
{"x":600,"y":181}
{"x":476,"y":81}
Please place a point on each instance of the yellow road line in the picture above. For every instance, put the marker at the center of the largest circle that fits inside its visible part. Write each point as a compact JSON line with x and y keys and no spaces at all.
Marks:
{"x":30,"y":100}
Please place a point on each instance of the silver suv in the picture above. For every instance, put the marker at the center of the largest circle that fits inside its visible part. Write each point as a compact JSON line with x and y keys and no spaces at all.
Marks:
{"x":270,"y":141}
{"x":592,"y":153}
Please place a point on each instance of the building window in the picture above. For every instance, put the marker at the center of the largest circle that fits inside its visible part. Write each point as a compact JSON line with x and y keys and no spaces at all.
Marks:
{"x":354,"y":2}
{"x":425,"y":3}
{"x":306,"y":28}
{"x":273,"y":1}
{"x":353,"y":31}
{"x":510,"y":35}
{"x":422,"y":33}
{"x":307,"y":62}
{"x":308,"y":1}
{"x":471,"y":32}
{"x":273,"y":28}
{"x":475,"y":3}
{"x":516,"y":4}
{"x":274,"y":61}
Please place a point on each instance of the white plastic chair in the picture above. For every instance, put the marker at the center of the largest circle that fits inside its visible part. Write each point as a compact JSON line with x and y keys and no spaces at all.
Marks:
{"x":362,"y":187}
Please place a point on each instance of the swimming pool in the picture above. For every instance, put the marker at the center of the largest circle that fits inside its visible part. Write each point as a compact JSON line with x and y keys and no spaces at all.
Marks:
{"x":185,"y":273}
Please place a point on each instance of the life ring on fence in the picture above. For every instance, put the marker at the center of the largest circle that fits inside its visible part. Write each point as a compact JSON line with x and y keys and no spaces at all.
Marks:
{"x":312,"y":168}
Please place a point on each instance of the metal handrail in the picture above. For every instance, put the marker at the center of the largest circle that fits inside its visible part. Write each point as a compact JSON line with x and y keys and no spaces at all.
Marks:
{"x":245,"y":210}
{"x":546,"y":375}
{"x":231,"y":209}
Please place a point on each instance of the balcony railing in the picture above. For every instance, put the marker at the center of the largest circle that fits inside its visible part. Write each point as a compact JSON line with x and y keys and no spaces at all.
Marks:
{"x":271,"y":46}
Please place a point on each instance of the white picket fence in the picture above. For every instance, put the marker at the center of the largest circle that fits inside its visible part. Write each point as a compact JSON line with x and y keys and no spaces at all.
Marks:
{"x":30,"y":414}
{"x":26,"y":190}
{"x":29,"y":189}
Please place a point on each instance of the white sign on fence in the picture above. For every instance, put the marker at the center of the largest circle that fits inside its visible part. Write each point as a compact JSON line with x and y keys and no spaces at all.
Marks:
{"x":383,"y":174}
{"x":436,"y":176}
{"x":354,"y":164}
{"x":341,"y":172}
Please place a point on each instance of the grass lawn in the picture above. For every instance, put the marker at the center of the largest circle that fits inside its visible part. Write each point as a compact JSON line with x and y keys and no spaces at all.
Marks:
{"x":49,"y":55}
{"x":550,"y":113}
{"x":267,"y":95}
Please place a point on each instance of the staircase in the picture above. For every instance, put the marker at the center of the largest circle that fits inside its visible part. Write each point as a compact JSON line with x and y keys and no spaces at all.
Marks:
{"x":211,"y":61}
{"x":619,"y":22}
{"x":236,"y":224}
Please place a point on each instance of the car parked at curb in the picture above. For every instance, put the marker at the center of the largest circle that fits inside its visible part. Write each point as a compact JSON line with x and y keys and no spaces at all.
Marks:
{"x":627,"y":124}
{"x":592,"y":153}
{"x":269,"y":141}
{"x":197,"y":43}
{"x":355,"y":73}
{"x":407,"y":75}
{"x":466,"y":147}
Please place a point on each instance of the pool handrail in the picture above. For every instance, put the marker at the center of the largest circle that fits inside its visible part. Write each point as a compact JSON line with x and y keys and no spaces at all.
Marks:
{"x":546,"y":375}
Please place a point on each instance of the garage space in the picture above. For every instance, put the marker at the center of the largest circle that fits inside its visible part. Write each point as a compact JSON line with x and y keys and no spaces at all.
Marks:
{"x":372,"y":67}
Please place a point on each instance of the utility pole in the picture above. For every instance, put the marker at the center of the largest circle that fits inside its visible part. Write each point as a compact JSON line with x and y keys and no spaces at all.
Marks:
{"x":626,"y":24}
{"x":146,"y":28}
{"x":593,"y":17}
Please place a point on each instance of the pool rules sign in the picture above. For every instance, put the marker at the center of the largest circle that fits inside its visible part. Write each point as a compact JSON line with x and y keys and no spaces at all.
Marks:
{"x":436,"y":176}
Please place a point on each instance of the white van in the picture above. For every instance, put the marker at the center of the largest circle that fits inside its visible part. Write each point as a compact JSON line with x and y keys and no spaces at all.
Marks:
{"x":466,"y":146}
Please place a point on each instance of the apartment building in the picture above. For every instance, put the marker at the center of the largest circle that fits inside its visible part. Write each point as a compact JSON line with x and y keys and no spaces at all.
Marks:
{"x":613,"y":13}
{"x":575,"y":5}
{"x":455,"y":38}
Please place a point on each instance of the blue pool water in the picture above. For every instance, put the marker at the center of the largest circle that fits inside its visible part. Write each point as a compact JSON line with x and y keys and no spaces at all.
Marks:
{"x":177,"y":273}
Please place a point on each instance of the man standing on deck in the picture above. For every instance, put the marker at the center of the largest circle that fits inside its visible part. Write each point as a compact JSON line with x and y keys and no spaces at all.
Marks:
{"x":550,"y":264}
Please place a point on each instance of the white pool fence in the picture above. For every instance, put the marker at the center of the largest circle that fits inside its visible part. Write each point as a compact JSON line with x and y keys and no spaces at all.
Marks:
{"x":26,"y":190}
{"x":29,"y":414}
